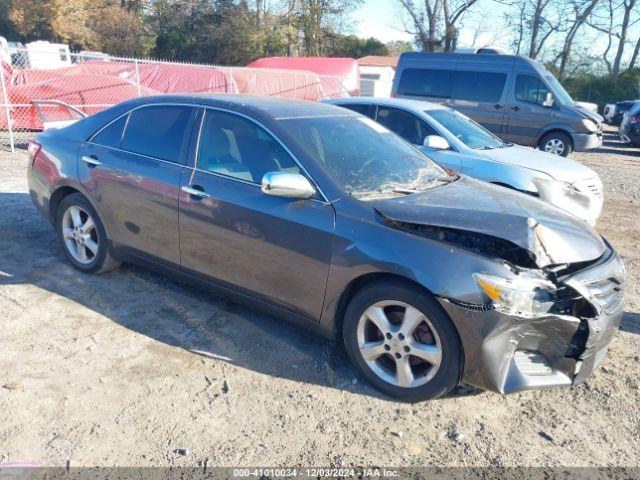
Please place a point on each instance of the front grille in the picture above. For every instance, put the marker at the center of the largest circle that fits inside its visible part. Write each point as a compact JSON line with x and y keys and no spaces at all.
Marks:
{"x":607,"y":292}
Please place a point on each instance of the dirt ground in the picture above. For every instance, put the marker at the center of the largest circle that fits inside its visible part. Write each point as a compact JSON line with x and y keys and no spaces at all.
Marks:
{"x":125,"y":368}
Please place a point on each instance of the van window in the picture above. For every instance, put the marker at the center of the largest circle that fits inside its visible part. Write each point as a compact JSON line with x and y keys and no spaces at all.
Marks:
{"x":159,"y":131}
{"x":530,"y":89}
{"x":422,"y":82}
{"x":479,"y":86}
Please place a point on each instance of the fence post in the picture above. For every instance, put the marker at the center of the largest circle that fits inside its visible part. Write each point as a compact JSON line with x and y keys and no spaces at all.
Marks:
{"x":7,"y":111}
{"x":138,"y":79}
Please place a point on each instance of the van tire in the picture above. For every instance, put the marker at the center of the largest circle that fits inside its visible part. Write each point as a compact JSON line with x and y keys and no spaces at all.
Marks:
{"x":557,"y":143}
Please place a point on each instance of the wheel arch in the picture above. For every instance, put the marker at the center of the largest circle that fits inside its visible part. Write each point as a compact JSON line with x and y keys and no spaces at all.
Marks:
{"x":56,"y":199}
{"x":563,"y":130}
{"x":366,"y":279}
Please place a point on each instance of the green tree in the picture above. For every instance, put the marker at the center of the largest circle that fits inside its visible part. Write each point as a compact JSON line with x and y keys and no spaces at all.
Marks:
{"x":351,"y":46}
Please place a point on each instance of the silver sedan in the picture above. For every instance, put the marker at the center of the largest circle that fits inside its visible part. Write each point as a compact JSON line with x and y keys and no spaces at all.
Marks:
{"x":455,"y":141}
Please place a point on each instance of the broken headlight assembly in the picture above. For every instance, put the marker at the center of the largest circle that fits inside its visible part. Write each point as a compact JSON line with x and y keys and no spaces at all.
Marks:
{"x":520,"y":296}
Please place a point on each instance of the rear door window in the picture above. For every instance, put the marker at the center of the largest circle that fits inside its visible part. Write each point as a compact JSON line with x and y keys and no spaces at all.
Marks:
{"x":111,"y":135}
{"x":530,"y":89}
{"x":422,"y":82}
{"x":159,"y":131}
{"x":405,"y":124}
{"x":479,"y":86}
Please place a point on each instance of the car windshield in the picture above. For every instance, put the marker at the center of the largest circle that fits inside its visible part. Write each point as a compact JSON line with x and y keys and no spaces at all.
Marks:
{"x":466,"y":130}
{"x":558,"y":91}
{"x":364,"y":158}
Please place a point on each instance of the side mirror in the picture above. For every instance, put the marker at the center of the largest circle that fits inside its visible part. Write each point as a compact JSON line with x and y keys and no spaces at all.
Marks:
{"x":548,"y":101}
{"x":437,"y":142}
{"x":292,"y":185}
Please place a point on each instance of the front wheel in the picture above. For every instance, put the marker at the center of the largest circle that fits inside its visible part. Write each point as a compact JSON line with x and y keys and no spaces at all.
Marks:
{"x":402,"y":341}
{"x":82,"y":235}
{"x":557,"y":143}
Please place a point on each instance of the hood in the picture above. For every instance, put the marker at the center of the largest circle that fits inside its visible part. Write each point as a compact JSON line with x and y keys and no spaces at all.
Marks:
{"x":551,"y":235}
{"x":595,"y":116}
{"x":557,"y":167}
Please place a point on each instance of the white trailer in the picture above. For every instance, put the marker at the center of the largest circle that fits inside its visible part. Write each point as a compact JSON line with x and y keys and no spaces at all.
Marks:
{"x":44,"y":55}
{"x":376,"y":81}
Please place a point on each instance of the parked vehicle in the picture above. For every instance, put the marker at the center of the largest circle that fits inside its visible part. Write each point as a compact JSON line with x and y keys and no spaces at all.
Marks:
{"x":515,"y":98}
{"x":324,"y":217}
{"x":629,"y":130}
{"x":607,"y":113}
{"x":43,"y":55}
{"x":455,"y":141}
{"x":614,"y":112}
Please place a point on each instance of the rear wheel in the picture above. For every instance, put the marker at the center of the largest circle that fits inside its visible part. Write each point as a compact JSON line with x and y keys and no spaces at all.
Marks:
{"x":82,"y":235}
{"x":557,"y":143}
{"x":402,"y":341}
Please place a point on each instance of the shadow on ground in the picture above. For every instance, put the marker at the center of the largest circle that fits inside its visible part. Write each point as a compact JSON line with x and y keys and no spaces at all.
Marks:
{"x":171,"y":312}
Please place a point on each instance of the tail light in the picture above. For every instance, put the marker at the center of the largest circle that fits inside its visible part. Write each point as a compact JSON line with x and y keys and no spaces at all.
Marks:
{"x":32,"y":150}
{"x":606,"y":110}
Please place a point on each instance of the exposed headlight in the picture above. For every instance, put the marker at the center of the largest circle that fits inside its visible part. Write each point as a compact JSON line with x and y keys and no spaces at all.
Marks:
{"x":567,"y":197}
{"x":520,"y":296}
{"x":589,"y":125}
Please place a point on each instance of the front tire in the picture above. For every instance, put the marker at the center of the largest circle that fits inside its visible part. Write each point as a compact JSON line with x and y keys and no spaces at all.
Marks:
{"x":82,"y":235}
{"x":402,"y":341}
{"x":557,"y":143}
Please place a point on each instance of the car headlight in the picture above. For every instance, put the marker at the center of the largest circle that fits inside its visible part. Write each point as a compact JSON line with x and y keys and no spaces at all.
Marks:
{"x":564,"y":195}
{"x":520,"y":296}
{"x":589,"y":125}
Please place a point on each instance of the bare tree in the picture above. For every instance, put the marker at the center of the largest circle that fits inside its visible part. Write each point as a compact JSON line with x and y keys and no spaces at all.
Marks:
{"x":605,"y":21}
{"x":533,"y":22}
{"x":581,"y":11}
{"x":435,"y":22}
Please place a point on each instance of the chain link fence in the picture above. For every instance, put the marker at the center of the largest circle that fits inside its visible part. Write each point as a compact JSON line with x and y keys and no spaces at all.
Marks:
{"x":38,"y":87}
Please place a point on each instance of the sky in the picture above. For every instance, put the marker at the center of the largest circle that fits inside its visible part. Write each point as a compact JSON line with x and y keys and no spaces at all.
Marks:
{"x":383,"y":20}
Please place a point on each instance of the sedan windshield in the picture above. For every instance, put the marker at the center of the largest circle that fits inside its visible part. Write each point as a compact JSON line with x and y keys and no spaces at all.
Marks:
{"x":364,"y":158}
{"x":466,"y":130}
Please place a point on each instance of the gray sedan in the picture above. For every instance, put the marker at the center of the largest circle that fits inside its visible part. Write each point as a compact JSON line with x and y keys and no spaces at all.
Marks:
{"x":323,"y":217}
{"x":457,"y":142}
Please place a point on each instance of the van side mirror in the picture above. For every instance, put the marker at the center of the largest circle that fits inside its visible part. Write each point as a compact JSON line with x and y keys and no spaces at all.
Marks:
{"x":436,"y":142}
{"x":548,"y":101}
{"x":292,"y":185}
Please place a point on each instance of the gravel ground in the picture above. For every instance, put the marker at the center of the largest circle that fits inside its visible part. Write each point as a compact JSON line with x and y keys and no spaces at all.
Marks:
{"x":125,"y":368}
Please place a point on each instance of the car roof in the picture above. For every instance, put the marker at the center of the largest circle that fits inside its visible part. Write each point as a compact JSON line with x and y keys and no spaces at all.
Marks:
{"x":272,"y":107}
{"x":415,"y":105}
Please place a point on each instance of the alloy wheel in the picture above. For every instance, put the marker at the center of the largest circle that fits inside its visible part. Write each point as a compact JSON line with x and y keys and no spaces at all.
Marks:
{"x":399,"y":344}
{"x":80,"y":235}
{"x":555,"y":146}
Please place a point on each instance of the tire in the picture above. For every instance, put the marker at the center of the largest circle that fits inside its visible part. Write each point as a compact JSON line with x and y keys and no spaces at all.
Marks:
{"x":78,"y":236}
{"x":389,"y":355}
{"x":557,"y":143}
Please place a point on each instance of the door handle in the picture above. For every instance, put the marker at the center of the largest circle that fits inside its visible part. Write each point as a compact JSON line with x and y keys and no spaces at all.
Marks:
{"x":195,"y":192}
{"x":497,"y":106}
{"x":92,"y":160}
{"x":515,"y":108}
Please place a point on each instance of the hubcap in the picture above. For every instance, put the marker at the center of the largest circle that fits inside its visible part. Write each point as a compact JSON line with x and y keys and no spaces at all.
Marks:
{"x":554,"y":146}
{"x":399,"y":343}
{"x":80,"y":235}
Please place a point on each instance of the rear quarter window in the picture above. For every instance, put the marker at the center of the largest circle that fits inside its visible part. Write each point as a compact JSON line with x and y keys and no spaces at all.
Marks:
{"x":111,"y":135}
{"x":422,"y":82}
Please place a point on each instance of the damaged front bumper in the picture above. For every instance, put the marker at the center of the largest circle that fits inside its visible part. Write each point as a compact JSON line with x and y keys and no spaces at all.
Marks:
{"x":507,"y":353}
